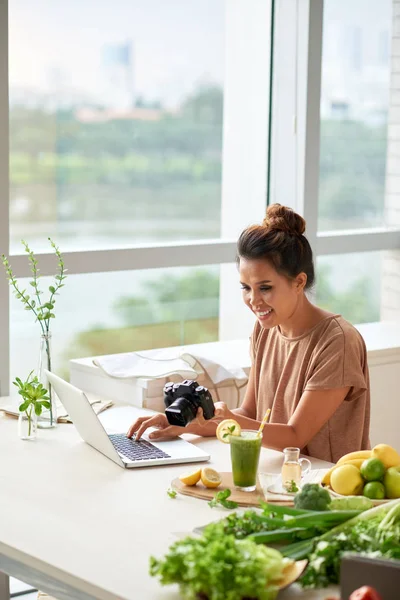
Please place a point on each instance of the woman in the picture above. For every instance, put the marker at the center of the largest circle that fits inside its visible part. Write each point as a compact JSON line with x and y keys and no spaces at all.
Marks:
{"x":309,"y":366}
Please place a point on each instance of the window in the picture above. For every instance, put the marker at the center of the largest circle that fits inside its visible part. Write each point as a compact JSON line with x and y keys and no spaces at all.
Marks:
{"x":350,"y":285}
{"x":106,"y":313}
{"x":116,"y":138}
{"x":126,"y":146}
{"x":146,"y":145}
{"x":356,"y":66}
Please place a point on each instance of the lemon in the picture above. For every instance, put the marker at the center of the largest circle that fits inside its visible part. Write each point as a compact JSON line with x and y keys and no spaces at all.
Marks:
{"x":191,"y":478}
{"x":210,"y":477}
{"x":347,"y":480}
{"x":227,"y":428}
{"x":388,"y":455}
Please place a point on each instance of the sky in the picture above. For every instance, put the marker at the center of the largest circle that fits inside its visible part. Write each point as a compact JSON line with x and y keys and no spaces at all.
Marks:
{"x":177,"y":44}
{"x":56,"y":46}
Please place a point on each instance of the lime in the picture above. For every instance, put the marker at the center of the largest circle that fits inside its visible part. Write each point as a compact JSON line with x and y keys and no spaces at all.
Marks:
{"x":372,"y":469}
{"x":374,"y":490}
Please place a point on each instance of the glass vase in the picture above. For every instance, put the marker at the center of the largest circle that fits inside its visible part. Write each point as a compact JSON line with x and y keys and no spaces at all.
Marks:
{"x":27,"y":424}
{"x":48,"y":418}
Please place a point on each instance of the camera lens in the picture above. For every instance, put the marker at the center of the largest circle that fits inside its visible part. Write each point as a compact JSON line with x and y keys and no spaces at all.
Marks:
{"x":181,"y":412}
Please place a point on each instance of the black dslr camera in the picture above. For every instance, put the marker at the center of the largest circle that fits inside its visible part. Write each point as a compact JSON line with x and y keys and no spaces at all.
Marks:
{"x":183,"y":399}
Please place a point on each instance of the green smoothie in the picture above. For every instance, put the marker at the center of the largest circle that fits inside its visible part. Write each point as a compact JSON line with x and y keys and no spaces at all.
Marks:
{"x":245,"y":453}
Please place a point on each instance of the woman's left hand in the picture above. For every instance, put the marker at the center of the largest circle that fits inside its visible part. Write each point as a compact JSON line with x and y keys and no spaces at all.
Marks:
{"x":221,"y":412}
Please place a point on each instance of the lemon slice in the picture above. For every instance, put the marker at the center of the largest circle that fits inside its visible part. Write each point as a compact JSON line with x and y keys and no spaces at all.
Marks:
{"x":227,"y":428}
{"x":210,"y":477}
{"x":191,"y":478}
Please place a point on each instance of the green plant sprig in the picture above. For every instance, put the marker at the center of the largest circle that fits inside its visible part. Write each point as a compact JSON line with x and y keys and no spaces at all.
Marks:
{"x":42,"y":311}
{"x":292,"y":488}
{"x":221,"y":499}
{"x":35,"y":396}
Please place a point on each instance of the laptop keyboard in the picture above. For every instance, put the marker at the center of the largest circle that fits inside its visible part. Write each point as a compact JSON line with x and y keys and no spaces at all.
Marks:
{"x":142,"y":450}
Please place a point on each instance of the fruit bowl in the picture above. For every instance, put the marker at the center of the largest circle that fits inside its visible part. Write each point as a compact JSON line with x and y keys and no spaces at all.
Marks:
{"x":374,"y":474}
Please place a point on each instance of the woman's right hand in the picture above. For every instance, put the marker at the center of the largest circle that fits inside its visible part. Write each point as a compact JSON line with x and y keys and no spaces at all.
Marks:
{"x":160,"y":422}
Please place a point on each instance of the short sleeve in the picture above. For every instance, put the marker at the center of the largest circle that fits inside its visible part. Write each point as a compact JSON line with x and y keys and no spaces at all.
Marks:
{"x":339,"y":361}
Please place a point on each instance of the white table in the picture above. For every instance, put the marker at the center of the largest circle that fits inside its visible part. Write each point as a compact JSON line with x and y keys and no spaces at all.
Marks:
{"x":76,"y":525}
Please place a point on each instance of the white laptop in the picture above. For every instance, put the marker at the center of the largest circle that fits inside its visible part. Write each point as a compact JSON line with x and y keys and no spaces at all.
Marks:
{"x":127,"y":453}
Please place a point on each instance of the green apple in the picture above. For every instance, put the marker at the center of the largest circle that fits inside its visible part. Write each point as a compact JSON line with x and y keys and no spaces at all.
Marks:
{"x":391,"y":481}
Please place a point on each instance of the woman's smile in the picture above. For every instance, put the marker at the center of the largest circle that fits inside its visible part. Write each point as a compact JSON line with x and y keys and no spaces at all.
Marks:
{"x":263,"y":315}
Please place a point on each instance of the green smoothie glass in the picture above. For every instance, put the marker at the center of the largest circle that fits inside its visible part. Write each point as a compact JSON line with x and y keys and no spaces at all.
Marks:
{"x":245,"y":453}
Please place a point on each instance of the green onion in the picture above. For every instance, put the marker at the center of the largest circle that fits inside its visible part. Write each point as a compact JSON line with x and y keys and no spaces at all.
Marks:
{"x":316,"y":518}
{"x":270,"y":520}
{"x":283,"y":510}
{"x":281,"y":535}
{"x":297,"y":550}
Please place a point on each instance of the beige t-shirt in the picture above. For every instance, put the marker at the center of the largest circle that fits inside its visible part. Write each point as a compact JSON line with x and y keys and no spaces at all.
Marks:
{"x":331,"y":355}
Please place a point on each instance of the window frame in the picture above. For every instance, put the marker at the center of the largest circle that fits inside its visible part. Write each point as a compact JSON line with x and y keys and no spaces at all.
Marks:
{"x":4,"y":201}
{"x":298,"y":161}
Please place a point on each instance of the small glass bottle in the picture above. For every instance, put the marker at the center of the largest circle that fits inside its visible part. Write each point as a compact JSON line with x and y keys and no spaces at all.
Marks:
{"x":292,"y":468}
{"x":27,"y":424}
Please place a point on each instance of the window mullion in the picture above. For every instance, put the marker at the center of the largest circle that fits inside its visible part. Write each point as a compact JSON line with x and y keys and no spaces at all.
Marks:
{"x":245,"y":143}
{"x":362,"y":241}
{"x":295,"y":110}
{"x":145,"y":257}
{"x":4,"y":200}
{"x":310,"y":26}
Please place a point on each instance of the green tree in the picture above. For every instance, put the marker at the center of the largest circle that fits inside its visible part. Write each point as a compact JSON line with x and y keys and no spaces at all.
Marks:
{"x":352,"y":174}
{"x":157,"y":319}
{"x":170,"y":298}
{"x":356,"y":303}
{"x":135,"y":310}
{"x":205,"y":105}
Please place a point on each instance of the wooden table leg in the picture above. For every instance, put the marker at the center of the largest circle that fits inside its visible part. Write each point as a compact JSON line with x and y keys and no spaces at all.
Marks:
{"x":4,"y":586}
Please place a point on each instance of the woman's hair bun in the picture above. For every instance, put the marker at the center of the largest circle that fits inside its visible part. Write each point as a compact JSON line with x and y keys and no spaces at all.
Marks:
{"x":283,"y":218}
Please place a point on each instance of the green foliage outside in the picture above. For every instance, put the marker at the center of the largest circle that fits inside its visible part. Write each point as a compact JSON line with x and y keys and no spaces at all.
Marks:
{"x":184,"y":310}
{"x":127,"y":169}
{"x":356,"y":303}
{"x":172,"y":166}
{"x":113,"y":174}
{"x":352,"y":175}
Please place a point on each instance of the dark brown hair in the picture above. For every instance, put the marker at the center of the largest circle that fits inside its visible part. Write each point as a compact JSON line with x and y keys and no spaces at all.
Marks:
{"x":280,"y":239}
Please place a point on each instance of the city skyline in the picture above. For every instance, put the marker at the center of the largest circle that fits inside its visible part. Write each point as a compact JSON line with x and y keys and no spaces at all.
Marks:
{"x":177,"y":45}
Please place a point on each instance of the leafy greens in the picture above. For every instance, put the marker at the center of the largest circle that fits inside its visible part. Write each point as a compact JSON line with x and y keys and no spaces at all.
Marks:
{"x":220,"y":567}
{"x":374,"y":533}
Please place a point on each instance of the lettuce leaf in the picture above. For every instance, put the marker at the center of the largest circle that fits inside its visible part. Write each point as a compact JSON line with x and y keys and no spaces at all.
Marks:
{"x":220,"y":568}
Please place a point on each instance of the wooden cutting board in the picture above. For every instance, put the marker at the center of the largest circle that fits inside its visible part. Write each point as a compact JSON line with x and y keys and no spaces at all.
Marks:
{"x":200,"y":491}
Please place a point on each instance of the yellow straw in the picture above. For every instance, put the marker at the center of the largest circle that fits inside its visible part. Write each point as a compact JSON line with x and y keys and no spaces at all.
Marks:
{"x":265,"y":419}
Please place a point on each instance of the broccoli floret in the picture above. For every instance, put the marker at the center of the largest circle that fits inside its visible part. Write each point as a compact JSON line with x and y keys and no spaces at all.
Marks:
{"x":312,"y":497}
